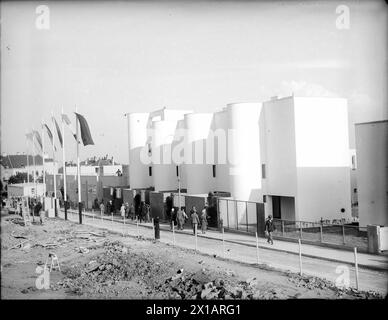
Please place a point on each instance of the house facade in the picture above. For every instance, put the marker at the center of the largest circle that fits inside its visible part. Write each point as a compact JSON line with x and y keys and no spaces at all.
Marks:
{"x":292,"y":154}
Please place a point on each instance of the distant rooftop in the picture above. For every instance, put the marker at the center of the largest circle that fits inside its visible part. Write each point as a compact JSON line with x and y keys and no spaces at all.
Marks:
{"x":18,"y":161}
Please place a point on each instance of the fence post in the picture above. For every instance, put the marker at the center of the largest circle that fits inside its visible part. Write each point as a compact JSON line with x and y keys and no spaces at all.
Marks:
{"x":356,"y":266}
{"x":173,"y":233}
{"x":124,"y":226}
{"x":257,"y":248}
{"x":282,"y":228}
{"x":300,"y":229}
{"x":196,"y":242}
{"x":223,"y":242}
{"x":343,"y":233}
{"x":153,"y":228}
{"x":300,"y":257}
{"x":321,"y":231}
{"x":246,"y":212}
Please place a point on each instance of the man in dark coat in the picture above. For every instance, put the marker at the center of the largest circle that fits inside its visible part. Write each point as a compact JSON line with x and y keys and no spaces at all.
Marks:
{"x":269,"y":228}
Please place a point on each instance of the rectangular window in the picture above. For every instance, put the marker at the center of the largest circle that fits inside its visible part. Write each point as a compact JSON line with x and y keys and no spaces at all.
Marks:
{"x":264,"y":199}
{"x":263,"y":174}
{"x":177,"y":171}
{"x":150,"y":171}
{"x":214,"y":171}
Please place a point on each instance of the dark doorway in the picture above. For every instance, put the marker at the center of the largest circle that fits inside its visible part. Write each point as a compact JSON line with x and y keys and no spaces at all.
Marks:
{"x":276,"y":208}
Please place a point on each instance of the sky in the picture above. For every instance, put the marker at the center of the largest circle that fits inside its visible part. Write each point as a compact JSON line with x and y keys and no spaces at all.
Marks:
{"x":112,"y":58}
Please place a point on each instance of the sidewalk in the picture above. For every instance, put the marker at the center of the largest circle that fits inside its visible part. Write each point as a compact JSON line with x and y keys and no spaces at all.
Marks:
{"x":367,"y":261}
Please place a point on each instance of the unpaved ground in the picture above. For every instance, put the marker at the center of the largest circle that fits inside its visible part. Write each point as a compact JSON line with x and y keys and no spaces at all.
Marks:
{"x":103,"y":265}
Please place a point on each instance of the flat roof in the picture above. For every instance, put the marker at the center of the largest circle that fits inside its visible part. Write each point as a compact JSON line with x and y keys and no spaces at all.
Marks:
{"x":371,"y":122}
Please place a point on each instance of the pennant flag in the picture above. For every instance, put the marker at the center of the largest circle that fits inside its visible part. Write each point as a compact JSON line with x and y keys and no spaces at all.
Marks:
{"x":38,"y":138}
{"x":58,"y":132}
{"x":66,"y":120}
{"x":85,"y":132}
{"x":50,"y":136}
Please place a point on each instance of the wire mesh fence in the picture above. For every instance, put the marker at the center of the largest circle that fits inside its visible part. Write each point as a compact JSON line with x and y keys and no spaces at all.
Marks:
{"x":339,"y":234}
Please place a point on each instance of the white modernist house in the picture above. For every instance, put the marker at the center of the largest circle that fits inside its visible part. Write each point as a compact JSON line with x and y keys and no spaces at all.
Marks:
{"x":305,"y":157}
{"x":290,"y":153}
{"x":372,"y":172}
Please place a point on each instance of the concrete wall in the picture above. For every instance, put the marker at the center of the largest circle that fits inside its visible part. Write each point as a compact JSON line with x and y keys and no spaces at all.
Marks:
{"x":24,"y":190}
{"x":157,"y":204}
{"x":322,"y":159}
{"x":222,"y":170}
{"x":278,"y":151}
{"x":138,"y":136}
{"x":244,"y":144}
{"x":199,"y":176}
{"x":372,"y":172}
{"x":163,"y":170}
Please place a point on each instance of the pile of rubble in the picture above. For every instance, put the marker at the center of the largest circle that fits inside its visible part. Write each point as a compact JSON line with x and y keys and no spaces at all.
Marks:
{"x":311,"y":283}
{"x":116,"y":264}
{"x":197,"y":286}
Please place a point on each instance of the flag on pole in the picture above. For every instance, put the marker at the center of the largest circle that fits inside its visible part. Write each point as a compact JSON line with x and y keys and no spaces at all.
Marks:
{"x":66,"y":120}
{"x":85,"y":132}
{"x":50,"y":136}
{"x":38,"y":138}
{"x":58,"y":132}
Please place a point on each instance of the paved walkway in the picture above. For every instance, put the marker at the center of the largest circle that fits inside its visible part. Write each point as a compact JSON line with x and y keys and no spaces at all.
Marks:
{"x":283,"y":255}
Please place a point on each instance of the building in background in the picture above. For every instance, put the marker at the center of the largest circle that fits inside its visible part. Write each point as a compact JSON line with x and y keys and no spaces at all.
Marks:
{"x":95,"y":175}
{"x":372,"y":172}
{"x":291,"y":154}
{"x":13,"y":164}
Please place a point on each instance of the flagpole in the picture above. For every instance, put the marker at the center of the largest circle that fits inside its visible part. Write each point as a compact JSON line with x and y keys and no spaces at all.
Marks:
{"x":78,"y":171}
{"x":64,"y":167}
{"x":28,"y":162}
{"x":33,"y":160}
{"x":54,"y":167}
{"x":44,"y":171}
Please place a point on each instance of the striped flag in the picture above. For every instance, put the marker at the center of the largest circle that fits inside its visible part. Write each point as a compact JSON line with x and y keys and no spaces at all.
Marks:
{"x":66,"y":120}
{"x":85,"y":132}
{"x":50,"y":136}
{"x":38,"y":138}
{"x":58,"y":132}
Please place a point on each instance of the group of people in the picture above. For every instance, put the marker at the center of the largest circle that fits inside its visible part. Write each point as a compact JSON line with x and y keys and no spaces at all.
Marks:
{"x":27,"y":206}
{"x":180,"y":217}
{"x":141,"y":213}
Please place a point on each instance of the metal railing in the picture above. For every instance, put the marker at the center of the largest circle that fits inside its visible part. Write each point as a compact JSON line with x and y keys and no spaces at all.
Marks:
{"x":339,"y":234}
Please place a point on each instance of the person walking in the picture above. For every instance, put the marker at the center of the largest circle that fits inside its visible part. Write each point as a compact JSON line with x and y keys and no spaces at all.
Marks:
{"x":38,"y":208}
{"x":102,"y":208}
{"x":194,"y":220}
{"x":180,"y":218}
{"x":172,"y":218}
{"x":122,"y":210}
{"x":204,"y":220}
{"x":269,"y":228}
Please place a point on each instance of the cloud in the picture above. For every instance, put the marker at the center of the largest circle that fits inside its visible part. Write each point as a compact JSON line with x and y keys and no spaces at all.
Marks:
{"x":302,"y":88}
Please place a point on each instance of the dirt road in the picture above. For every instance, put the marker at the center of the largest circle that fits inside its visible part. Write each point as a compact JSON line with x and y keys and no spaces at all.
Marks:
{"x":101,"y":264}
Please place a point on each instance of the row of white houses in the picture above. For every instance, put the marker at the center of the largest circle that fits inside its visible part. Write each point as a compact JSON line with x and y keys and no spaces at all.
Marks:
{"x":291,"y":153}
